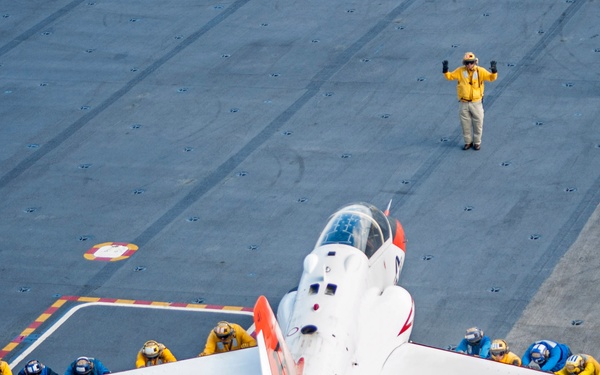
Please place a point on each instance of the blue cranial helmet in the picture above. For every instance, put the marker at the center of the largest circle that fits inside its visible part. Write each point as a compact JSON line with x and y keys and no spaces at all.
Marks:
{"x":539,"y":354}
{"x":33,"y":367}
{"x":473,"y":335}
{"x":83,"y":366}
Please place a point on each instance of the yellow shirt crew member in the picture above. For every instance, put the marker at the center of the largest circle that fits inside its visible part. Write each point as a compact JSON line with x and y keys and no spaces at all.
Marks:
{"x":153,"y":353}
{"x":500,"y":352}
{"x":580,"y":364}
{"x":5,"y":368}
{"x":226,"y":337}
{"x":470,"y":89}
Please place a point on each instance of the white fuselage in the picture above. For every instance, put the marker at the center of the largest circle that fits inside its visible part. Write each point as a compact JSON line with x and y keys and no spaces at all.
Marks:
{"x":336,"y":319}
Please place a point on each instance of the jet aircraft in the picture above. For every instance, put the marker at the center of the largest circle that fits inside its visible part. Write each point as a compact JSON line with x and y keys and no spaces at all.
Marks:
{"x":348,"y":315}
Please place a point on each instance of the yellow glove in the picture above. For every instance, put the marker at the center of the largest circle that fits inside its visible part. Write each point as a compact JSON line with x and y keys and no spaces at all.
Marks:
{"x":244,"y":346}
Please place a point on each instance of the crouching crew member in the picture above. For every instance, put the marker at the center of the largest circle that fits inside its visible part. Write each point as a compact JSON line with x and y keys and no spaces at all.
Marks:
{"x":546,"y":355}
{"x":35,"y":367}
{"x":153,"y":353}
{"x":226,"y":337}
{"x":501,"y":353}
{"x":5,"y":368}
{"x":580,"y":364}
{"x":475,"y":343}
{"x":86,"y":365}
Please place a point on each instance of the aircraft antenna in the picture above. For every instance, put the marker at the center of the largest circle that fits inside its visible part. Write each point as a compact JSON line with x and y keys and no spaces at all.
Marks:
{"x":387,"y":210}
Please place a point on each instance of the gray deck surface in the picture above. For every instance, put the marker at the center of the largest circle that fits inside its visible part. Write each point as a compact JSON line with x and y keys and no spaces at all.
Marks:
{"x":219,"y":137}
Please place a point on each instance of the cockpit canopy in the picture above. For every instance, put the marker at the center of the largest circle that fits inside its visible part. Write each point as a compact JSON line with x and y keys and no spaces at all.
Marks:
{"x":360,"y":225}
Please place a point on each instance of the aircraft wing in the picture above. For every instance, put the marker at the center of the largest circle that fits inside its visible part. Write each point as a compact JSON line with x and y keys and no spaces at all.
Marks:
{"x":411,"y":358}
{"x":243,"y":361}
{"x":272,"y":356}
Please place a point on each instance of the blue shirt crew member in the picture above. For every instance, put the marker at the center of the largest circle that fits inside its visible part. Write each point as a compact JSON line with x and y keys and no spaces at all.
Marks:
{"x":35,"y":367}
{"x":548,"y":355}
{"x":475,"y":343}
{"x":85,"y":366}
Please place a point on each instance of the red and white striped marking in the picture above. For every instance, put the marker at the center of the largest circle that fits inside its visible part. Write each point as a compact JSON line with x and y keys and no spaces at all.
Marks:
{"x":94,"y":301}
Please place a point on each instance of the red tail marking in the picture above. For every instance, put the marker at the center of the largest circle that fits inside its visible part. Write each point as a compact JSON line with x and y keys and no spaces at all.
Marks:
{"x":408,"y":322}
{"x":280,"y":359}
{"x":399,"y":239}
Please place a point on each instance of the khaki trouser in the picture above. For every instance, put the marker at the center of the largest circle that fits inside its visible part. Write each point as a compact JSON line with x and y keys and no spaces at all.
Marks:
{"x":471,"y":120}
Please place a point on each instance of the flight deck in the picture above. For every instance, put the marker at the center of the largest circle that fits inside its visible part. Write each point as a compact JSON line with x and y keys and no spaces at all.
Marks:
{"x":210,"y":141}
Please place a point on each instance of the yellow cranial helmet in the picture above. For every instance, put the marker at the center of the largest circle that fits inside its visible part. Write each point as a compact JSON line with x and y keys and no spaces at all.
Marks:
{"x":499,"y":348}
{"x":575,"y":364}
{"x":151,"y":349}
{"x":223,"y":330}
{"x":470,"y":58}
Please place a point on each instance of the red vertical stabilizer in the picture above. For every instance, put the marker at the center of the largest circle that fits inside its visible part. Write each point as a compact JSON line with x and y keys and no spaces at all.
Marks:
{"x":271,"y":343}
{"x":397,"y":229}
{"x":399,"y":239}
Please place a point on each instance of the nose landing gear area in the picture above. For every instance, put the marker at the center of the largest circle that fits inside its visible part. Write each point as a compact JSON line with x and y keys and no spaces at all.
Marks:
{"x":113,"y":330}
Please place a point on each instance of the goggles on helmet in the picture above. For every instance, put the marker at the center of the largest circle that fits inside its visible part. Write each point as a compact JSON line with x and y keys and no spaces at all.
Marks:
{"x":572,"y":369}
